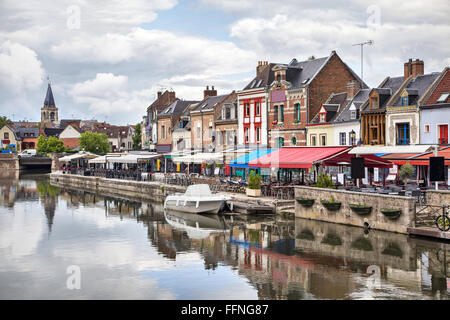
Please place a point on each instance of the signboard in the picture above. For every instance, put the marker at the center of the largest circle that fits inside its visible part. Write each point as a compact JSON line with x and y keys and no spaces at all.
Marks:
{"x":437,"y":169}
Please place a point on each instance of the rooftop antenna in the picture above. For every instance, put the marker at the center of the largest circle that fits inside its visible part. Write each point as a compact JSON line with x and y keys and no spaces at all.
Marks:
{"x":369,"y":42}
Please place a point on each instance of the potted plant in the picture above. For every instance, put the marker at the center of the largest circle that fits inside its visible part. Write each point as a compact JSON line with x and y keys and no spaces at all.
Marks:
{"x":275,"y":122}
{"x":362,"y":244}
{"x":332,"y":239}
{"x":331,"y":205}
{"x":305,"y":202}
{"x":324,"y":181}
{"x":361,"y":209}
{"x":295,"y":121}
{"x":391,"y":213}
{"x":405,"y":172}
{"x":254,"y":185}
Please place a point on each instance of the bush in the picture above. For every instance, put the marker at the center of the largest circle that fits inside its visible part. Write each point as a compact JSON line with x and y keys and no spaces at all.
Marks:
{"x":254,"y":181}
{"x":324,"y":181}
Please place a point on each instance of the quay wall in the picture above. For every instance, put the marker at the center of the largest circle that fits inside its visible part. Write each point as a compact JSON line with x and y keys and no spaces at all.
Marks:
{"x":438,"y":197}
{"x":9,"y":161}
{"x":345,"y":215}
{"x":136,"y":189}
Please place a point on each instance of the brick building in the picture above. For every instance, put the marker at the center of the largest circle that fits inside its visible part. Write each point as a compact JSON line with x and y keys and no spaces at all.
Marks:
{"x":297,"y":93}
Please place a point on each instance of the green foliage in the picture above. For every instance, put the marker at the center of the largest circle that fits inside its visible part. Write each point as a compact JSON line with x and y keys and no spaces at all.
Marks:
{"x":94,"y":142}
{"x":49,"y":145}
{"x":405,"y":172}
{"x":46,"y":189}
{"x":4,"y":121}
{"x":137,"y":138}
{"x":254,"y":181}
{"x":324,"y":181}
{"x":41,"y":144}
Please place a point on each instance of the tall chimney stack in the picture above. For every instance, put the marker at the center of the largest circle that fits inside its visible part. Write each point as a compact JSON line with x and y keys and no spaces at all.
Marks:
{"x":353,"y":87}
{"x":209,"y":92}
{"x":413,"y":68}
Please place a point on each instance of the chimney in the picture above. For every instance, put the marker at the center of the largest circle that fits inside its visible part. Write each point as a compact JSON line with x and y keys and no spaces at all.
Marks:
{"x":353,"y":87}
{"x":159,"y":94}
{"x":413,"y":68}
{"x":172,"y":97}
{"x":209,"y":93}
{"x":417,"y":68}
{"x":261,"y":66}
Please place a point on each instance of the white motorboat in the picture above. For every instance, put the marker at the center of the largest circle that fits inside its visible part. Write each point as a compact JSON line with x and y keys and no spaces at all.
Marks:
{"x":197,"y":199}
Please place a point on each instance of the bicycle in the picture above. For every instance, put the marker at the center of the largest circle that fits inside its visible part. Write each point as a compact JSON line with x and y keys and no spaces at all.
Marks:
{"x":443,"y":221}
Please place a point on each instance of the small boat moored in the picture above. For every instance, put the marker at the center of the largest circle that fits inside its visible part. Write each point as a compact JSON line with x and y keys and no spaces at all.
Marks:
{"x":198,"y":198}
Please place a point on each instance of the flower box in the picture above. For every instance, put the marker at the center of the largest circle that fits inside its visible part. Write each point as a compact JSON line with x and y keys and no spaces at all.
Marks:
{"x":362,"y":210}
{"x":331,"y":206}
{"x":305,"y":202}
{"x":253,"y":192}
{"x":274,"y":122}
{"x":391,"y":213}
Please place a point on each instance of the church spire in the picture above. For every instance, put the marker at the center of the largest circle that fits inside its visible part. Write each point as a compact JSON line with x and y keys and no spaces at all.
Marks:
{"x":49,"y":100}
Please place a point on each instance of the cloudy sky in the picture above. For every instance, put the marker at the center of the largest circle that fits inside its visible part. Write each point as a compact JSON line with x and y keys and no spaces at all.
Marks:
{"x":107,"y":59}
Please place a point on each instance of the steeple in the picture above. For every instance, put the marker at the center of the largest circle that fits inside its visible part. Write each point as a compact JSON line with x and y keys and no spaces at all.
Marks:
{"x":49,"y":100}
{"x":49,"y":112}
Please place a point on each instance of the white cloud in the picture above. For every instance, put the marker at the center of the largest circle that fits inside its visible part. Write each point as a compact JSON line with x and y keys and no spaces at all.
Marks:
{"x":20,"y":69}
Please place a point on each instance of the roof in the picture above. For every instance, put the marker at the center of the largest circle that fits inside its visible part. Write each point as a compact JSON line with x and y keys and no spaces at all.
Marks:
{"x":417,"y":87}
{"x":73,"y":122}
{"x":163,"y":101}
{"x":359,"y":99}
{"x":210,"y":102}
{"x":30,"y":132}
{"x":262,"y":79}
{"x":49,"y":100}
{"x":176,"y":108}
{"x":419,"y":158}
{"x":391,"y":149}
{"x":52,"y":132}
{"x":435,"y":106}
{"x":334,"y":106}
{"x":385,"y":90}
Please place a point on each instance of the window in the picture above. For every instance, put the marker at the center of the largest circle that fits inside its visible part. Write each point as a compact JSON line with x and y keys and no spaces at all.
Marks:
{"x":427,"y":128}
{"x":210,"y":132}
{"x":404,"y":101}
{"x":6,"y":135}
{"x":257,"y":109}
{"x":443,"y":134}
{"x":323,"y":139}
{"x":322,"y":117}
{"x":443,"y":97}
{"x":199,"y":132}
{"x":280,"y":142}
{"x":247,"y":110}
{"x":374,"y":102}
{"x":275,"y":113}
{"x":258,"y":134}
{"x":279,"y":78}
{"x":52,"y":116}
{"x":342,"y":139}
{"x":246,"y":134}
{"x":297,"y":112}
{"x":353,"y":114}
{"x":351,"y":139}
{"x":313,"y":140}
{"x":402,"y":133}
{"x":282,"y":113}
{"x":163,"y":132}
{"x":294,"y":141}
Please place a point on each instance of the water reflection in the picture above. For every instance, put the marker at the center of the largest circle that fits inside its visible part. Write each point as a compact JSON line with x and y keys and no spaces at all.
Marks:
{"x":133,"y":249}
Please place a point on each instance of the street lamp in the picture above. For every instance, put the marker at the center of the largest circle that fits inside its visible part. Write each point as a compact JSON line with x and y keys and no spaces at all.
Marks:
{"x":352,"y":137}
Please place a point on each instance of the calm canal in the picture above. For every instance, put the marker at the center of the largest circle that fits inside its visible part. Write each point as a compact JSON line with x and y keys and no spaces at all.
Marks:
{"x":127,"y":249}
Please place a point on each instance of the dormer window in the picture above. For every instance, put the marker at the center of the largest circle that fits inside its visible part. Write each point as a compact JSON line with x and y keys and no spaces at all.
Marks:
{"x":404,"y":101}
{"x":322,"y":117}
{"x":353,"y":114}
{"x":374,"y":102}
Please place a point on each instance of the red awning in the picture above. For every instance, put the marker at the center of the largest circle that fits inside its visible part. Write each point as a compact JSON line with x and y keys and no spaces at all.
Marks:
{"x":422,"y":159}
{"x":306,"y":157}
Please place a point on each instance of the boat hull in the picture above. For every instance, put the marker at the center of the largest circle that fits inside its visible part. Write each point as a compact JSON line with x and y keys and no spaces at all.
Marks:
{"x":204,"y":206}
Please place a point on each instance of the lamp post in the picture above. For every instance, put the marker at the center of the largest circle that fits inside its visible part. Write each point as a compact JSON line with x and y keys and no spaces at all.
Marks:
{"x":352,"y":137}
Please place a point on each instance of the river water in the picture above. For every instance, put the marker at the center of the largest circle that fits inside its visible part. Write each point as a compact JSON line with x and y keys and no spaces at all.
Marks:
{"x":61,"y":243}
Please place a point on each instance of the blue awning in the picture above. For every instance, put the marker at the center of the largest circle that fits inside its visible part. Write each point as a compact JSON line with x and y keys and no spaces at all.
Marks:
{"x":242,"y":161}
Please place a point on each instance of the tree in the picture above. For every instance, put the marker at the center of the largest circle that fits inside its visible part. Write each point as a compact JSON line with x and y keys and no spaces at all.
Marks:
{"x":254,"y":180}
{"x":4,"y":121}
{"x":94,"y":142}
{"x":405,"y":172}
{"x":324,"y":181}
{"x":49,"y":145}
{"x":137,"y":138}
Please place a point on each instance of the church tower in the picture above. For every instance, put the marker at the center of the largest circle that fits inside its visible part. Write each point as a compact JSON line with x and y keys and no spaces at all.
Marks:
{"x":49,"y":112}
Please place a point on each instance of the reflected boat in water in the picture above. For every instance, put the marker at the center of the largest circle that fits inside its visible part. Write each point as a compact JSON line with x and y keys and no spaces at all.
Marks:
{"x":197,"y":226}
